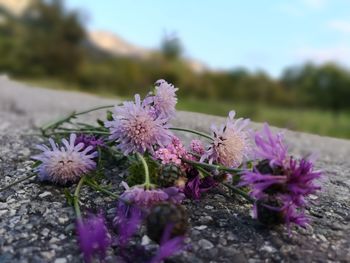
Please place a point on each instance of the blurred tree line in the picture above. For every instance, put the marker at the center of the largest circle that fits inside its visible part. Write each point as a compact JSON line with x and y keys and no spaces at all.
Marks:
{"x":48,"y":41}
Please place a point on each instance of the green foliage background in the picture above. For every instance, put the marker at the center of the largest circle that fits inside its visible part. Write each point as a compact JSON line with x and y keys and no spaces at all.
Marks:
{"x":48,"y":45}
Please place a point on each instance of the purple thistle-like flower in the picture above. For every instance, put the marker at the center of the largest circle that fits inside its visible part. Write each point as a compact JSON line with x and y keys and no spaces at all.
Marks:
{"x":93,"y":237}
{"x":136,"y":130}
{"x":280,"y":184}
{"x":196,"y":186}
{"x":129,"y":219}
{"x":168,"y":247}
{"x":270,"y":147}
{"x":175,"y":195}
{"x":231,"y":143}
{"x":164,"y":100}
{"x":67,"y":163}
{"x":89,"y":140}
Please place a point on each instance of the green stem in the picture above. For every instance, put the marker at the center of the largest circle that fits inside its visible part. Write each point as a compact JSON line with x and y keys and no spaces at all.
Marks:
{"x":94,"y":109}
{"x":72,"y":115}
{"x":17,"y":182}
{"x":240,"y":192}
{"x":213,"y":166}
{"x":147,"y":183}
{"x":102,"y":190}
{"x":76,"y":199}
{"x":78,"y":131}
{"x":192,"y":131}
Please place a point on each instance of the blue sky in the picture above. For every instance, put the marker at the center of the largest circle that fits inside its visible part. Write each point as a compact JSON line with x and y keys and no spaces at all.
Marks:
{"x":224,"y":34}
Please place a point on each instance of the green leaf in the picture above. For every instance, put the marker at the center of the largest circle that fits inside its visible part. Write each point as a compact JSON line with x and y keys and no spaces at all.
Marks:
{"x":137,"y":173}
{"x":69,"y":197}
{"x":110,"y":116}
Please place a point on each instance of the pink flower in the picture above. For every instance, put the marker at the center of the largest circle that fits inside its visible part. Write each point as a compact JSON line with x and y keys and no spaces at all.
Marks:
{"x":231,"y":144}
{"x":135,"y":129}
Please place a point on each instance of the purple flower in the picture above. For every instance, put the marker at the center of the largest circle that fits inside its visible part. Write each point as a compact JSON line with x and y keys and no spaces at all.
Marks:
{"x":89,"y":140}
{"x":143,"y":197}
{"x":163,"y":102}
{"x":168,"y":247}
{"x":280,"y":184}
{"x":270,"y":147}
{"x":93,"y":237}
{"x":231,"y":143}
{"x":196,"y":186}
{"x":67,"y":163}
{"x":175,"y":196}
{"x":197,"y":147}
{"x":129,"y":219}
{"x":136,"y":130}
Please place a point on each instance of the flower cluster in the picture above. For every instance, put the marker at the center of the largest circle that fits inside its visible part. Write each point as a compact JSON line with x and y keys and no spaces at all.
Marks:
{"x":279,"y":182}
{"x":139,"y":134}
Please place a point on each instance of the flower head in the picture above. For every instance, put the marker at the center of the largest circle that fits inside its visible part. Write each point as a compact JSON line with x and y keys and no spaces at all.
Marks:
{"x":129,"y":219}
{"x":280,"y":182}
{"x":89,"y":140}
{"x":231,"y":144}
{"x":93,"y":237}
{"x":173,"y":153}
{"x":164,"y":100}
{"x":168,"y":246}
{"x":197,"y":147}
{"x":67,"y":163}
{"x":270,"y":147}
{"x":135,"y":129}
{"x":196,"y":186}
{"x":143,"y":197}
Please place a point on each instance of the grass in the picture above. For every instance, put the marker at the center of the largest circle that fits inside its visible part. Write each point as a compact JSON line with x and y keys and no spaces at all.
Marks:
{"x":321,"y":122}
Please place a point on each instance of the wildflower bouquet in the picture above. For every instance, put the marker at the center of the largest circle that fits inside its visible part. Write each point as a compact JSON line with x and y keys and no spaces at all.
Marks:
{"x":163,"y":171}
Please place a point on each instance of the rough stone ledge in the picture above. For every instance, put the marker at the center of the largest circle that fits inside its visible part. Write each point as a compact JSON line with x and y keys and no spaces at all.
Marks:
{"x":36,"y":225}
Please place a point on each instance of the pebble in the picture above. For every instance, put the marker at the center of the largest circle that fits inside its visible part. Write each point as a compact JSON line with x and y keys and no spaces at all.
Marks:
{"x":60,"y":260}
{"x":202,"y":227}
{"x":44,"y":194}
{"x":205,"y":244}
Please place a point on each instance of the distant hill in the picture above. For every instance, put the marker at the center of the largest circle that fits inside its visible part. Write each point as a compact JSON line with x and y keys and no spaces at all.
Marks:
{"x":100,"y":41}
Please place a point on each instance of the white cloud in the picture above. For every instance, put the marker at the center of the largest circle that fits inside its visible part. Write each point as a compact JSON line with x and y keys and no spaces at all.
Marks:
{"x":342,"y":26}
{"x":339,"y":54}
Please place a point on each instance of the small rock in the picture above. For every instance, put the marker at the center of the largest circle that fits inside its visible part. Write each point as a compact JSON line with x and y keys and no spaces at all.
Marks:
{"x":60,"y":260}
{"x":202,"y":227}
{"x":44,"y":194}
{"x":145,"y":240}
{"x":205,"y":244}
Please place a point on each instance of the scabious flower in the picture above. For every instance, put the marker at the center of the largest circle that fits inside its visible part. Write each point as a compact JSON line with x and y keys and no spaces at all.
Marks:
{"x":231,"y":143}
{"x":67,"y":163}
{"x":163,"y":102}
{"x":135,"y":129}
{"x":93,"y":237}
{"x":142,"y":197}
{"x":89,"y":140}
{"x":280,"y":183}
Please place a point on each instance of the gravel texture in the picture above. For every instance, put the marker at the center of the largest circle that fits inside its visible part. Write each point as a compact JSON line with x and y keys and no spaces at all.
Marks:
{"x":37,"y":225}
